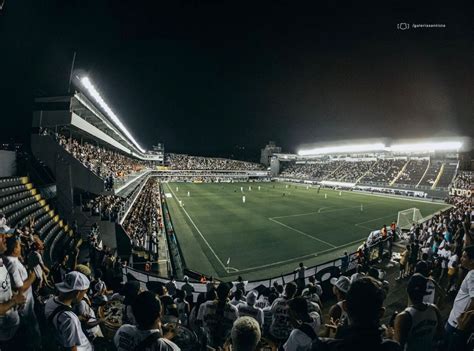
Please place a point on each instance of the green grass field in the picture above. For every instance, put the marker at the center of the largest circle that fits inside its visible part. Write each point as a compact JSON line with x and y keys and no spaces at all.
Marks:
{"x":271,"y":232}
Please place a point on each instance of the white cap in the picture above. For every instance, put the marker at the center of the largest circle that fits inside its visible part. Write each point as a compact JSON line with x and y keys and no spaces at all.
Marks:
{"x":73,"y":281}
{"x":251,"y":297}
{"x":342,"y":283}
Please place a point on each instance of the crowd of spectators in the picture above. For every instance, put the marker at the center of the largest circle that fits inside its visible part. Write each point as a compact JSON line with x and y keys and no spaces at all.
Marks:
{"x":464,"y":180}
{"x":384,"y":171}
{"x":431,"y":174}
{"x":144,"y":222}
{"x":350,"y":172}
{"x":186,"y":162}
{"x":316,"y":170}
{"x":108,"y":207}
{"x":103,"y":162}
{"x":413,"y":172}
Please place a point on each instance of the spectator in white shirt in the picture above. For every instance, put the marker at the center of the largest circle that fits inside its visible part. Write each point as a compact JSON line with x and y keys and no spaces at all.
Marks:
{"x":22,"y":282}
{"x":9,"y":301}
{"x":464,"y":300}
{"x":58,"y":309}
{"x":248,"y":308}
{"x":148,"y":334}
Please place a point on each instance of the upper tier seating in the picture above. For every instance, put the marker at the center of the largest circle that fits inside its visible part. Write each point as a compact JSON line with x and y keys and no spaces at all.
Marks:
{"x":413,"y":172}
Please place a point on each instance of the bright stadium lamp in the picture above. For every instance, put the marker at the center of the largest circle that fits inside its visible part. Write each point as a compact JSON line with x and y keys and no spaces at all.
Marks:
{"x":427,"y":146}
{"x":98,"y":98}
{"x":342,"y":149}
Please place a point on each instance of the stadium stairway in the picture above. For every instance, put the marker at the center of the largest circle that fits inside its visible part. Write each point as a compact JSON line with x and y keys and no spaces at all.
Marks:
{"x":399,"y":173}
{"x":20,"y":202}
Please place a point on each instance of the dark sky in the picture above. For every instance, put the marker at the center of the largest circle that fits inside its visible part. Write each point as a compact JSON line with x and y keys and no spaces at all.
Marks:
{"x":206,"y":76}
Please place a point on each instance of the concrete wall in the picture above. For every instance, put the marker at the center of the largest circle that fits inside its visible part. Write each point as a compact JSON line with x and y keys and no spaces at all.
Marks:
{"x":7,"y":163}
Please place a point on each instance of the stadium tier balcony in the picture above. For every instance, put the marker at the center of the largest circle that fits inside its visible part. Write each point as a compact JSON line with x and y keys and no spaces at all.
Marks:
{"x":464,"y":180}
{"x":23,"y":207}
{"x":431,"y":174}
{"x":448,"y":171}
{"x":384,"y":171}
{"x":186,"y":162}
{"x":413,"y":172}
{"x":350,"y":172}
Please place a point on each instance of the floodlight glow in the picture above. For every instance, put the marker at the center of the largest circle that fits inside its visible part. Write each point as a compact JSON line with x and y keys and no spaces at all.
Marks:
{"x":95,"y":94}
{"x":429,"y":146}
{"x":342,"y":149}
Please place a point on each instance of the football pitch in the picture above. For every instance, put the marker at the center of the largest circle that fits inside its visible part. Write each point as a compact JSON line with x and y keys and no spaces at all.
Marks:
{"x":278,"y":226}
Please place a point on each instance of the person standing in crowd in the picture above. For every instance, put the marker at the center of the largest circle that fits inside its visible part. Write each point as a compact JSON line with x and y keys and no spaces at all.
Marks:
{"x":245,"y":334}
{"x":464,"y":300}
{"x":299,"y":277}
{"x":147,"y":335}
{"x":58,"y":311}
{"x":280,"y":328}
{"x":340,"y":288}
{"x":188,"y":289}
{"x":359,"y":273}
{"x":22,"y":282}
{"x":240,"y":285}
{"x":248,"y":308}
{"x":182,"y":306}
{"x":344,"y":262}
{"x":420,"y":324}
{"x":171,"y":286}
{"x":218,"y":316}
{"x":9,"y":303}
{"x":305,"y":326}
{"x":364,"y":305}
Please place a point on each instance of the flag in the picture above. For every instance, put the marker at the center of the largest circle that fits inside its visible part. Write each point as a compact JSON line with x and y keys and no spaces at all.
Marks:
{"x":228,"y":261}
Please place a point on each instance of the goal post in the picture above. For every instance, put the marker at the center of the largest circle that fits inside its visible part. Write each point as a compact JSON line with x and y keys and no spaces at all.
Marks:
{"x":407,"y":217}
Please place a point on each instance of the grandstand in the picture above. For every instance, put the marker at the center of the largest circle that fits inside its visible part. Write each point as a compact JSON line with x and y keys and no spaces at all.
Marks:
{"x":92,"y":197}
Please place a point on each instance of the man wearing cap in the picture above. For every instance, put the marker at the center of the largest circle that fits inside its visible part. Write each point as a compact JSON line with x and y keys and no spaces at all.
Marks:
{"x":417,"y":327}
{"x":58,"y":311}
{"x":340,"y":288}
{"x":9,"y":317}
{"x":248,"y":308}
{"x":218,"y":316}
{"x":147,"y":334}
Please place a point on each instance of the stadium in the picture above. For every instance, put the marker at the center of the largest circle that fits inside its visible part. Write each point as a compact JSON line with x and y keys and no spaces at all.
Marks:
{"x":109,"y":243}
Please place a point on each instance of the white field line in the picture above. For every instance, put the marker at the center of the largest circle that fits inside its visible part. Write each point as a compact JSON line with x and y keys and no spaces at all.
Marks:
{"x":320,"y":211}
{"x":302,"y":233}
{"x":300,"y":257}
{"x":385,"y":196}
{"x":195,"y":226}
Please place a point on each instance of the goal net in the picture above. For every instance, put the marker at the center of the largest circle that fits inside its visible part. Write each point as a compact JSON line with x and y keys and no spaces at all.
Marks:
{"x":407,"y":217}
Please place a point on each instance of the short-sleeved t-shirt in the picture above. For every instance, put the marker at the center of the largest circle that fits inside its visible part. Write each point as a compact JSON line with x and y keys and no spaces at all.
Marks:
{"x":11,"y":320}
{"x":280,"y":327}
{"x":84,"y":309}
{"x":217,"y":321}
{"x":298,"y":340}
{"x":19,"y":275}
{"x":463,"y":298}
{"x":68,"y":327}
{"x":129,"y":336}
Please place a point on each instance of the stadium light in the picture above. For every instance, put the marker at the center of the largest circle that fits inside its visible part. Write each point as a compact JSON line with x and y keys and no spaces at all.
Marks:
{"x":427,"y":146}
{"x":98,"y":98}
{"x":342,"y":149}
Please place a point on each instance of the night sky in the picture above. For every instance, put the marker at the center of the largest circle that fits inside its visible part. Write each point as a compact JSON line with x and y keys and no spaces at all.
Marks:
{"x":206,"y":76}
